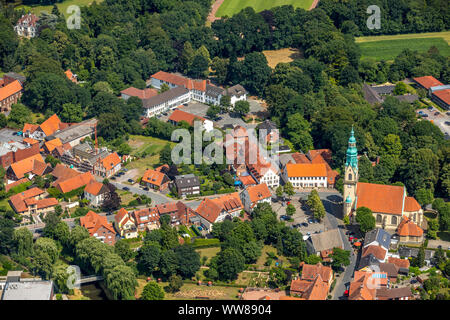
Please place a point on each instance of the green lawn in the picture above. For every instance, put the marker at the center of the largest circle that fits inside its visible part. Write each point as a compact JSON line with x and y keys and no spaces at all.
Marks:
{"x":61,"y":6}
{"x":230,"y":7}
{"x":208,"y":252}
{"x":388,"y":47}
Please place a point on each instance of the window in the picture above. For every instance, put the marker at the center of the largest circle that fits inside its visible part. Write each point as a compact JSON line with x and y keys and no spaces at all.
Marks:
{"x":350,"y":176}
{"x":379,"y":218}
{"x":394,"y":220}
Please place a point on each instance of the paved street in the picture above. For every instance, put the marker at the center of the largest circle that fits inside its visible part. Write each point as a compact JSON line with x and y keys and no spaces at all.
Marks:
{"x":439,"y":119}
{"x":157,"y":198}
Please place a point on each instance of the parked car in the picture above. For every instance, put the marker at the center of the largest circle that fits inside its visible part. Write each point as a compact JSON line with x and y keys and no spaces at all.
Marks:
{"x":447,"y":123}
{"x":126,"y":188}
{"x":284,"y":217}
{"x":437,"y":113}
{"x":310,"y":221}
{"x":425,"y":115}
{"x":113,"y":178}
{"x":430,"y":108}
{"x":146,"y":189}
{"x":305,"y":224}
{"x":130,"y":180}
{"x":421,"y":112}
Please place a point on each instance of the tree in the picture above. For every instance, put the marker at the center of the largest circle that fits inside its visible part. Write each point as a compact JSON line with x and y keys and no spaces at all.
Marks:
{"x":23,"y":242}
{"x":77,"y":234}
{"x":316,"y":205}
{"x":175,"y":283}
{"x":188,"y":261}
{"x":298,"y":130}
{"x":149,"y":257}
{"x":419,"y":261}
{"x":71,"y":113}
{"x":111,"y":126}
{"x":152,"y":291}
{"x":242,"y":107}
{"x":168,"y":264}
{"x":279,"y":191}
{"x":290,"y":210}
{"x":251,"y":251}
{"x":51,"y":222}
{"x":121,"y":282}
{"x":424,"y":196}
{"x":19,"y":115}
{"x":164,"y":88}
{"x":340,"y":258}
{"x":288,"y":188}
{"x":225,"y":102}
{"x":213,"y":111}
{"x":165,"y":157}
{"x":365,"y":219}
{"x":112,"y":200}
{"x":230,"y":263}
{"x":199,"y":67}
{"x":277,"y":277}
{"x":400,"y":89}
{"x":123,"y":249}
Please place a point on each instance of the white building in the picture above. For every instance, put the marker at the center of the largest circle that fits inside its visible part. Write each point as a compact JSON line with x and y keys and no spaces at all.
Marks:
{"x":27,"y":26}
{"x":306,"y":175}
{"x":96,"y":193}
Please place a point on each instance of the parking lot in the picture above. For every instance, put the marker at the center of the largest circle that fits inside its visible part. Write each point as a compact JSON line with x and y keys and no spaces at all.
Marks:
{"x":301,"y":216}
{"x":438,"y":118}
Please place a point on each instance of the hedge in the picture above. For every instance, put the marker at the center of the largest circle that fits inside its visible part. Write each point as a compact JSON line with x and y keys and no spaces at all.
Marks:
{"x":206,"y":243}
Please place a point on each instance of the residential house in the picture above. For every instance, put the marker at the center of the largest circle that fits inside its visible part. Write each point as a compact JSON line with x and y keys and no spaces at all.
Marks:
{"x":179,"y":115}
{"x":178,"y":211}
{"x":408,"y":231}
{"x":108,"y":166}
{"x":270,"y":131}
{"x":253,"y":195}
{"x":13,"y":151}
{"x":216,"y":210}
{"x":403,"y":293}
{"x":323,"y":243}
{"x":45,"y":129}
{"x":237,"y":93}
{"x":155,"y":179}
{"x":389,"y":204}
{"x":27,"y":26}
{"x":99,"y":227}
{"x":187,"y":184}
{"x":9,"y":95}
{"x":73,"y":183}
{"x":314,"y":283}
{"x":377,"y":94}
{"x":16,"y":183}
{"x":247,"y":181}
{"x":31,"y":202}
{"x":30,"y":167}
{"x":146,"y":219}
{"x":96,"y":193}
{"x":365,"y":285}
{"x":378,"y":252}
{"x":377,"y":237}
{"x":51,"y":145}
{"x":265,"y":172}
{"x":411,"y":253}
{"x":125,"y":224}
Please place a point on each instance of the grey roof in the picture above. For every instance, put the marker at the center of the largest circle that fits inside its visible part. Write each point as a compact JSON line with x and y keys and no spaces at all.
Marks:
{"x":28,"y":290}
{"x":394,"y":293}
{"x":75,"y":131}
{"x":389,"y":268}
{"x":371,"y":95}
{"x":285,"y":159}
{"x":268,"y":125}
{"x":16,"y":76}
{"x":236,"y":90}
{"x":407,"y":98}
{"x":383,"y":89}
{"x":378,"y":235}
{"x":413,"y":252}
{"x":185,"y":181}
{"x":368,"y":260}
{"x":164,"y":97}
{"x":326,"y":240}
{"x":214,"y":91}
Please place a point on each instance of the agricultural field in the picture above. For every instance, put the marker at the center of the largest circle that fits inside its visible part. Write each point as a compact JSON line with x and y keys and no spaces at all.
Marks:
{"x":286,"y":55}
{"x":230,"y":7}
{"x":388,"y":47}
{"x":61,"y":6}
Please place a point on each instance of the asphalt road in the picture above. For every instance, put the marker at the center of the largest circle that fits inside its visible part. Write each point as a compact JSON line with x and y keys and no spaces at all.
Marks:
{"x":438,"y":119}
{"x":157,"y":198}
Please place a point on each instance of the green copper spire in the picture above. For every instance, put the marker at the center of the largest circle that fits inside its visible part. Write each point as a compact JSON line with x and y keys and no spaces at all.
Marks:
{"x":352,"y":152}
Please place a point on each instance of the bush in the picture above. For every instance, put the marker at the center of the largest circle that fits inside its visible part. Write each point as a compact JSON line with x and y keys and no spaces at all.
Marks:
{"x":206,"y":243}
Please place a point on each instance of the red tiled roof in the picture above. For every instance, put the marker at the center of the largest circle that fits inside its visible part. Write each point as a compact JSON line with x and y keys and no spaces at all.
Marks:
{"x":300,"y":158}
{"x":47,"y":202}
{"x":52,"y":144}
{"x":51,"y":125}
{"x":18,"y":200}
{"x":428,"y":81}
{"x":144,"y":216}
{"x":141,"y":94}
{"x":34,"y":164}
{"x":122,"y":213}
{"x":30,"y":141}
{"x":411,"y":204}
{"x":110,"y":161}
{"x":154,"y":177}
{"x":74,"y":182}
{"x":92,"y":222}
{"x":377,"y":251}
{"x":95,"y":187}
{"x":15,"y":183}
{"x":400,"y":263}
{"x":179,"y":115}
{"x":210,"y":209}
{"x":306,"y":170}
{"x":407,"y":228}
{"x":10,"y":89}
{"x":247,"y":180}
{"x":28,"y":127}
{"x":380,"y":198}
{"x":310,"y":271}
{"x":171,"y":78}
{"x":443,"y":95}
{"x":258,"y":192}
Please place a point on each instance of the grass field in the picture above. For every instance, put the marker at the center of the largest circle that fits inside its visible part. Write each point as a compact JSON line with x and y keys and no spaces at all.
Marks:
{"x":286,"y":55}
{"x":230,"y":7}
{"x":388,"y":47}
{"x":208,"y":252}
{"x":61,"y":6}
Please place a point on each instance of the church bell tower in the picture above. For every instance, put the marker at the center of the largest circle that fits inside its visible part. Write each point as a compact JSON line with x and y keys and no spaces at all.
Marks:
{"x":351,"y":175}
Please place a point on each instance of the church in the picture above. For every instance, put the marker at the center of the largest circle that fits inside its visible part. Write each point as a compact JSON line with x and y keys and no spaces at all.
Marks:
{"x":393,"y":210}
